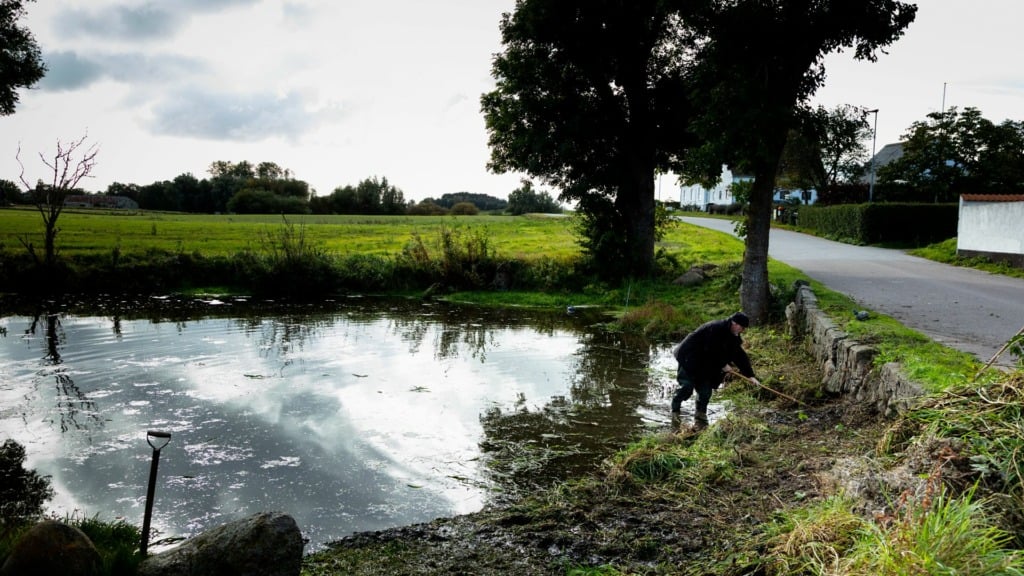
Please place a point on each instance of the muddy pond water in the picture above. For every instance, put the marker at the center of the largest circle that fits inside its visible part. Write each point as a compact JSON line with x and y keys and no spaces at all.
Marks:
{"x":350,"y":415}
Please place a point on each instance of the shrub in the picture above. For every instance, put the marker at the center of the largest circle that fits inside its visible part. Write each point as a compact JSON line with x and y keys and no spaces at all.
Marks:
{"x":464,"y":209}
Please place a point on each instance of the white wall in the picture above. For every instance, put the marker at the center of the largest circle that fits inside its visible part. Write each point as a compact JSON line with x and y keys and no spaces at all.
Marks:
{"x":991,"y":227}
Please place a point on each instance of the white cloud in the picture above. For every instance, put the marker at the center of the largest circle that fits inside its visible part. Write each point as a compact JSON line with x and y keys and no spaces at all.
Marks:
{"x":340,"y":91}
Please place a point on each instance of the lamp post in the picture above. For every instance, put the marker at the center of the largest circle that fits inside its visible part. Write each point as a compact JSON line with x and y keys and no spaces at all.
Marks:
{"x":874,"y":139}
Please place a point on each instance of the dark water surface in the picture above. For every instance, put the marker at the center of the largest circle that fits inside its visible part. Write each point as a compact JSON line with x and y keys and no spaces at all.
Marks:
{"x":352,"y":415}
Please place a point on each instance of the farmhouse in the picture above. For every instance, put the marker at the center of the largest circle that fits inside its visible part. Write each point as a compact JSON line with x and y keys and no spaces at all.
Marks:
{"x":699,"y":196}
{"x":989,"y":226}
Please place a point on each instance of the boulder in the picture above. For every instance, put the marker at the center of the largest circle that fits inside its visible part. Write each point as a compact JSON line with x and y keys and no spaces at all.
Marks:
{"x":264,"y":544}
{"x":691,"y":277}
{"x":52,"y":547}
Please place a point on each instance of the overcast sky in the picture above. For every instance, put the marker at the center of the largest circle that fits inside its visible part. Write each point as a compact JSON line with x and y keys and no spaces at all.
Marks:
{"x":341,"y":90}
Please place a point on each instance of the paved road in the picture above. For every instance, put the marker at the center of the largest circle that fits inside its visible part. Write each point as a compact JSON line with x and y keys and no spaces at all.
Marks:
{"x":963,"y":308}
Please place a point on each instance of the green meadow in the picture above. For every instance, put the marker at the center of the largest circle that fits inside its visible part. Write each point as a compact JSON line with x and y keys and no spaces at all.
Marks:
{"x":90,"y":232}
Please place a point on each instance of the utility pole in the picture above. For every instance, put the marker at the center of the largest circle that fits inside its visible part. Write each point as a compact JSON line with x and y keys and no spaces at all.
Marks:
{"x":874,"y":140}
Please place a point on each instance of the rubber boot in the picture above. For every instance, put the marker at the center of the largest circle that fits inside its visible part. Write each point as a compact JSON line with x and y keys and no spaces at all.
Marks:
{"x":700,"y":418}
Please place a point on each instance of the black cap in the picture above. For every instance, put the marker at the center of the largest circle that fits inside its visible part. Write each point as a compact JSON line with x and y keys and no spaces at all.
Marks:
{"x":741,"y":319}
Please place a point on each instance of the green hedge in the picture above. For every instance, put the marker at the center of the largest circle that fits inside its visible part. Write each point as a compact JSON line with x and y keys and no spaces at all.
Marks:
{"x":882,"y":223}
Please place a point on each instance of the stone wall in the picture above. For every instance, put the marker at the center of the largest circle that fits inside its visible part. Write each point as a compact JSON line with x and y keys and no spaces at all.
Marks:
{"x":847,"y":366}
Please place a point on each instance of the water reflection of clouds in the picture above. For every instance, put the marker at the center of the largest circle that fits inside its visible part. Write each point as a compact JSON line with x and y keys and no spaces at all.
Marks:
{"x":359,"y":424}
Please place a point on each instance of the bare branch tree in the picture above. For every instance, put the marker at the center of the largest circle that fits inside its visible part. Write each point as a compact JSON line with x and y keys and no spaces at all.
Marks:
{"x":71,"y":163}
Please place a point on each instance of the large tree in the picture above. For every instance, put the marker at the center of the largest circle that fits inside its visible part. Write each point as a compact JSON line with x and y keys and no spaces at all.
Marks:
{"x":21,"y":62}
{"x":826,"y":148}
{"x":760,"y":60}
{"x":590,"y":99}
{"x":954,"y":152}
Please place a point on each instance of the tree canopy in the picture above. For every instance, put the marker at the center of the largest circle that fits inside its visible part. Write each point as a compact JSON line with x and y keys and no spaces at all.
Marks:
{"x":525,"y":200}
{"x":371,"y":196}
{"x":589,"y":99}
{"x":595,"y":97}
{"x":21,"y":61}
{"x":826,"y":148}
{"x":956,"y":152}
{"x":761,"y":60}
{"x":481,"y":201}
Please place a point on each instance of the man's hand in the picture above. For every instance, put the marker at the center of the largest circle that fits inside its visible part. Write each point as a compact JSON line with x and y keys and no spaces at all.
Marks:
{"x":755,"y":381}
{"x":727,"y":368}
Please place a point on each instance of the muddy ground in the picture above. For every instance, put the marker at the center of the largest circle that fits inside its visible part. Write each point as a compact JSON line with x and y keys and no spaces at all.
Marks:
{"x":608,"y":520}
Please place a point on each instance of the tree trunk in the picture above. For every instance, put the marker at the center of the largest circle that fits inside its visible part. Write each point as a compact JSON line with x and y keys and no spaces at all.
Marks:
{"x":637,"y":209}
{"x":50,"y":244}
{"x":754,"y":290}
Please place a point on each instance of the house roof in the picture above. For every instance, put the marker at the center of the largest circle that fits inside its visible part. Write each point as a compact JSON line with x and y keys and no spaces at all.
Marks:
{"x":993,"y":197}
{"x":887,"y":154}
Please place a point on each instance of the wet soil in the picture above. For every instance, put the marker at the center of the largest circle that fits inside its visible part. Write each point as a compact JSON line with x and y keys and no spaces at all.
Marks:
{"x":608,"y":521}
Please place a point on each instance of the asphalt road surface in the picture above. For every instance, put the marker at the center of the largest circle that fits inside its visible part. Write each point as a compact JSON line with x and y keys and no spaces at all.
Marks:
{"x":963,"y":308}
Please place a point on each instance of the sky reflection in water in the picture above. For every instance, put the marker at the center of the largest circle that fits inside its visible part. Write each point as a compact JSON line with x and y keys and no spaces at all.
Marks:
{"x":358,"y":418}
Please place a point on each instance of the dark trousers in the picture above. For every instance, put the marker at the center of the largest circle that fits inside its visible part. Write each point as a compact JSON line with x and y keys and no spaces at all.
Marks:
{"x":687,"y":386}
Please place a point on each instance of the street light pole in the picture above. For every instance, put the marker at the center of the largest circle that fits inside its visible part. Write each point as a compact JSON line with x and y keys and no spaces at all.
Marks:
{"x":874,"y":139}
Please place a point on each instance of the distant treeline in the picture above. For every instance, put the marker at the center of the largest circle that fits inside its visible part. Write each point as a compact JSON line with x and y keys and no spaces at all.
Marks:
{"x":266,"y":188}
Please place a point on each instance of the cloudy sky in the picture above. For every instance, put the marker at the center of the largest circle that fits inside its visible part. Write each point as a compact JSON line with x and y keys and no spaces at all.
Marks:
{"x":338,"y":91}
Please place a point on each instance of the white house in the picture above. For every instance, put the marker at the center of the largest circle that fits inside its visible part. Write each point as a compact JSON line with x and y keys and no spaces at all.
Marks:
{"x":699,"y":196}
{"x":989,"y":226}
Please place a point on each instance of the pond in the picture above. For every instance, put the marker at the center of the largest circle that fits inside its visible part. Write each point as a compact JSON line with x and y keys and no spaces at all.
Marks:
{"x":351,"y":415}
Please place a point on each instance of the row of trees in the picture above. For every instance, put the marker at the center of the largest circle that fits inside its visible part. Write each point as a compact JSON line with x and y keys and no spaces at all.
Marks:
{"x":266,"y":188}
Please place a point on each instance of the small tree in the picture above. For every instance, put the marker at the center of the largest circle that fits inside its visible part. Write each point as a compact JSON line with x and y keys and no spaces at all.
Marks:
{"x":464,"y":209}
{"x":70,"y":164}
{"x":10,"y":193}
{"x":826,"y":148}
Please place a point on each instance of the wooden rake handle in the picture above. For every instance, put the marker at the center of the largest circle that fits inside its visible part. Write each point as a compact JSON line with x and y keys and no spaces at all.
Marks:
{"x":772,"y":390}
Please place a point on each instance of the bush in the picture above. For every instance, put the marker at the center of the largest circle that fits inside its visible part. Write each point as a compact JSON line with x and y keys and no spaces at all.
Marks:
{"x":875,"y":223}
{"x":464,"y":209}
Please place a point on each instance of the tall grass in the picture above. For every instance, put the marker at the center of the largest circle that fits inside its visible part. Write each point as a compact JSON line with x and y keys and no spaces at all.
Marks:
{"x":937,"y":534}
{"x":116,"y":541}
{"x":814,"y":539}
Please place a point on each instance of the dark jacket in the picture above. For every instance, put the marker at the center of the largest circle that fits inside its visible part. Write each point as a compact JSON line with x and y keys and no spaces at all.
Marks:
{"x":704,"y":352}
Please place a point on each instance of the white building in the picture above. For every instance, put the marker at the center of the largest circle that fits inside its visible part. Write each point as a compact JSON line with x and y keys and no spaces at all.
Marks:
{"x":721,"y":194}
{"x":699,"y":196}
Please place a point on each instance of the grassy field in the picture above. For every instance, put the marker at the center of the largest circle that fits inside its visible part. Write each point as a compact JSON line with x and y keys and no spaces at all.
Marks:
{"x":85,"y":232}
{"x":93,"y":232}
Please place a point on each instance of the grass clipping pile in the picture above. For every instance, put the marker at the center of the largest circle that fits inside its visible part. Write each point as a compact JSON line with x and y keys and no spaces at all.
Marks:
{"x":811,"y":486}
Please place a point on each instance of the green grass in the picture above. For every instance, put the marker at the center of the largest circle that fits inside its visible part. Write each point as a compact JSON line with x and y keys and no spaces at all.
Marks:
{"x":85,"y":232}
{"x":938,"y":534}
{"x":116,"y":541}
{"x":945,"y":252}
